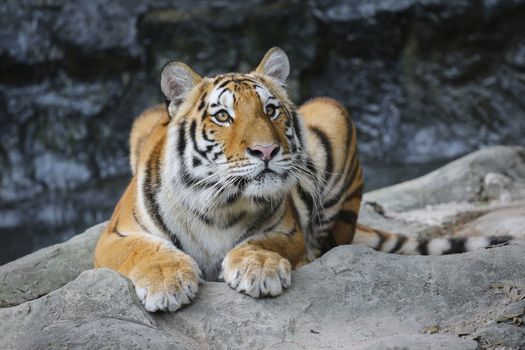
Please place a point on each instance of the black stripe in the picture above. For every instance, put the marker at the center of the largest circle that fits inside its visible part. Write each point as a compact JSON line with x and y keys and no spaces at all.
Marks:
{"x":307,"y":197}
{"x":277,"y":223}
{"x":138,"y":221}
{"x":349,"y":180}
{"x":203,"y":102}
{"x":188,"y":179}
{"x":267,"y":213}
{"x":203,"y":217}
{"x":350,"y":131}
{"x":150,"y":188}
{"x":216,"y":156}
{"x":495,"y":240}
{"x":232,"y":221}
{"x":328,"y":151}
{"x":347,"y":216}
{"x":422,"y":247}
{"x":307,"y":200}
{"x":193,"y":134}
{"x":400,"y":241}
{"x":115,"y":229}
{"x":346,"y":213}
{"x":357,"y":191}
{"x":222,"y":92}
{"x":196,"y":162}
{"x":457,"y":245}
{"x":382,"y":239}
{"x":246,"y":79}
{"x":205,"y":137}
{"x":232,"y":198}
{"x":224,"y":84}
{"x":181,"y":142}
{"x":297,"y":129}
{"x":181,"y":147}
{"x":326,"y":241}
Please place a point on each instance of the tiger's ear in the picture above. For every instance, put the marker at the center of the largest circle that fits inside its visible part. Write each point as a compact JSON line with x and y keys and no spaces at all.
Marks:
{"x":275,"y":64}
{"x":176,"y":81}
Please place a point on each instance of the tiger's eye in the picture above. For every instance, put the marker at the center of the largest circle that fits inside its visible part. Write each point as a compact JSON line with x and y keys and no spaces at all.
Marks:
{"x":222,"y":116}
{"x":270,"y":110}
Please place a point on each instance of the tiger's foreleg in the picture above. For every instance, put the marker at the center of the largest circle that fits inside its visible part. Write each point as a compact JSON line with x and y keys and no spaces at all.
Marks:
{"x":262,"y":265}
{"x":164,"y":277}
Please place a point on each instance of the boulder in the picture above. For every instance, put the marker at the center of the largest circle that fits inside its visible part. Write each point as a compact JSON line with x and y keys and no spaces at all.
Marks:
{"x":352,"y":297}
{"x":48,"y":269}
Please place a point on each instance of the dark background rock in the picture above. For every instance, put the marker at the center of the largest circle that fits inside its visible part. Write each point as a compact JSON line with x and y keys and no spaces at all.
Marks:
{"x":426,"y":81}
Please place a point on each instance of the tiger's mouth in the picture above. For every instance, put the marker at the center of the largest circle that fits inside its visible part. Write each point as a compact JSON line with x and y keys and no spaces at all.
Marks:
{"x":265,"y":173}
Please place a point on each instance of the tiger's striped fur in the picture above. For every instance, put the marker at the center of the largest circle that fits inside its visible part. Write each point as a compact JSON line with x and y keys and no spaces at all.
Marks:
{"x":232,"y":181}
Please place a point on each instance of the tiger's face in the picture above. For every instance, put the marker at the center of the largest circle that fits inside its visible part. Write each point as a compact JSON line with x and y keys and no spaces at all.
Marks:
{"x":237,"y":134}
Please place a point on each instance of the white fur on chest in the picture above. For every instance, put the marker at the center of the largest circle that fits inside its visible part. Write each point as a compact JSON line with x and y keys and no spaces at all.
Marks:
{"x":206,"y":244}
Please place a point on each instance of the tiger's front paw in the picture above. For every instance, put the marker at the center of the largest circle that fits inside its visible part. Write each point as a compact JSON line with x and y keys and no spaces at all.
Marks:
{"x":257,"y":273}
{"x":166,"y":284}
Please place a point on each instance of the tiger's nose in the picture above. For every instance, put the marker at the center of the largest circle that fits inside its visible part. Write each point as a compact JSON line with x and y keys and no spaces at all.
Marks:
{"x":265,"y":153}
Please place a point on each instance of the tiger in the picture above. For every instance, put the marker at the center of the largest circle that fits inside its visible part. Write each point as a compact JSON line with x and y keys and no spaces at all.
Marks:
{"x":231,"y":181}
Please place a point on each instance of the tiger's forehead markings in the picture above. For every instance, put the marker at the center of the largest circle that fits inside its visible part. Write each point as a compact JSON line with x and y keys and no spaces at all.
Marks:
{"x":264,"y":94}
{"x":227,"y":87}
{"x":237,"y":79}
{"x":222,"y":98}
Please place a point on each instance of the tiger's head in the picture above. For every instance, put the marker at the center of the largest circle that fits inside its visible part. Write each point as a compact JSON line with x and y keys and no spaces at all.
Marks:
{"x":234,"y":135}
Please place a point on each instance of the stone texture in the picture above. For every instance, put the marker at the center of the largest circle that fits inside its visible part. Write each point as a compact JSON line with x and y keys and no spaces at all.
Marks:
{"x":460,"y":181}
{"x":488,"y":184}
{"x":352,"y":297}
{"x":505,"y":221}
{"x":48,"y":269}
{"x":98,"y":310}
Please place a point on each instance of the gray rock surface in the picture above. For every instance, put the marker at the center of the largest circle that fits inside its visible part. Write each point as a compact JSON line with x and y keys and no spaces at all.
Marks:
{"x":37,"y":274}
{"x":351,"y":298}
{"x":447,"y":199}
{"x":98,"y":310}
{"x":465,"y":180}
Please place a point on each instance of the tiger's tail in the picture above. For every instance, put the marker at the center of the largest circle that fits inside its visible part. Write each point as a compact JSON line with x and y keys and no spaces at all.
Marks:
{"x":402,"y":244}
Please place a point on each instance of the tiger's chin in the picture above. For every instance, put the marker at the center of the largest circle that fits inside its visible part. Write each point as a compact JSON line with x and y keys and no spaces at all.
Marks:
{"x":269,"y":185}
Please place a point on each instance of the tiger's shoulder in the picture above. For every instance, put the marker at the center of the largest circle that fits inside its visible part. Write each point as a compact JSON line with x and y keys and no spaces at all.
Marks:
{"x":147,"y":127}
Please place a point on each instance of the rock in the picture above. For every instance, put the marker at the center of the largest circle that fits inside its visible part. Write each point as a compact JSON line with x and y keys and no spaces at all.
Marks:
{"x":447,"y":200}
{"x":97,"y":310}
{"x":500,"y":222}
{"x":460,"y":181}
{"x":352,"y":297}
{"x":100,"y":27}
{"x":48,"y":269}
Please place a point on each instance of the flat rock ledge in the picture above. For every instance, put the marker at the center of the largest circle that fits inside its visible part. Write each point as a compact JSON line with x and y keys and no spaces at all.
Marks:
{"x":351,"y":298}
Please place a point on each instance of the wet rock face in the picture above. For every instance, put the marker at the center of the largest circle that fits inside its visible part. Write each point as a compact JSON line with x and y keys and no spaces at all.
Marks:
{"x":424,"y":80}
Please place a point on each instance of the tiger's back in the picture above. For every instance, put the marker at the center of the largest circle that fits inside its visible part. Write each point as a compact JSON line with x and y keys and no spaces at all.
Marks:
{"x":330,"y":216}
